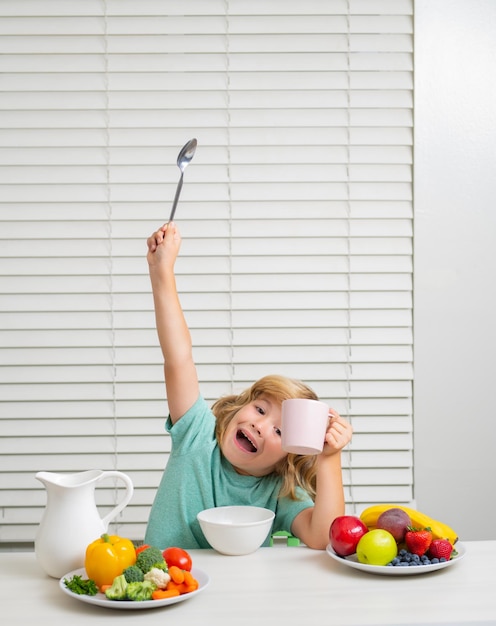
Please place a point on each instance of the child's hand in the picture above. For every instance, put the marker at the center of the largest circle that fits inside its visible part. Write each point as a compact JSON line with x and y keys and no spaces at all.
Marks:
{"x":163,"y":245}
{"x":156,"y":239}
{"x":338,"y":434}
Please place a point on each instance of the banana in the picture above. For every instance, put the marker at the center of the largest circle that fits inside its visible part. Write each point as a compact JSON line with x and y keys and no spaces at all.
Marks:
{"x":440,"y":530}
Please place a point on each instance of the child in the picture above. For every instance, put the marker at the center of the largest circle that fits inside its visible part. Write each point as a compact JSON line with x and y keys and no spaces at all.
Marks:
{"x":232,"y":453}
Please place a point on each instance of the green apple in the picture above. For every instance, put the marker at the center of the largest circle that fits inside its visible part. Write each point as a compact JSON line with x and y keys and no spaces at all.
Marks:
{"x":377,"y":547}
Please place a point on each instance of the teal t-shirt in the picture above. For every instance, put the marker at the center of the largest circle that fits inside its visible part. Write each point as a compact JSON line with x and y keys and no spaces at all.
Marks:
{"x":197,"y":477}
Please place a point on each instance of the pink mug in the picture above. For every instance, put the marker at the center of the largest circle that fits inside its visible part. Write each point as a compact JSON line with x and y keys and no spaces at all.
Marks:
{"x":304,"y":425}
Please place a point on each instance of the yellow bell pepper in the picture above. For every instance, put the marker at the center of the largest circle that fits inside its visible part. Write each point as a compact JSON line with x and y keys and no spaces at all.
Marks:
{"x":107,"y":557}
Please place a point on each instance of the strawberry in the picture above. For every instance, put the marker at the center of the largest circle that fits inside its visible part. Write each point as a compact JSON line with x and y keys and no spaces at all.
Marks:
{"x":440,"y":548}
{"x":418,"y":540}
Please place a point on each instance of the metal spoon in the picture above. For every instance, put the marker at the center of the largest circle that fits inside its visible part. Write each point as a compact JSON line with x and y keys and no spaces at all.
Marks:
{"x":183,"y":158}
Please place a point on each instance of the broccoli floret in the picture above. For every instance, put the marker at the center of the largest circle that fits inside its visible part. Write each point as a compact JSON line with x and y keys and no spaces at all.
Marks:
{"x":133,"y":574}
{"x":149,"y":558}
{"x":139,"y":592}
{"x":118,"y":590}
{"x":162,"y":566}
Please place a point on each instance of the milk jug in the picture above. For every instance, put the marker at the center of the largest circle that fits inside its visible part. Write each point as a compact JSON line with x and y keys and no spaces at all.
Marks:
{"x":71,"y":519}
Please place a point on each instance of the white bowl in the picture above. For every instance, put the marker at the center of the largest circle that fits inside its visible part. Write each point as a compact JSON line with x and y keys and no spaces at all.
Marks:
{"x":236,"y":530}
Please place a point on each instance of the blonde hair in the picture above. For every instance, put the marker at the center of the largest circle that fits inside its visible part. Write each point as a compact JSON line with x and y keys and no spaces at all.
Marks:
{"x":296,"y":470}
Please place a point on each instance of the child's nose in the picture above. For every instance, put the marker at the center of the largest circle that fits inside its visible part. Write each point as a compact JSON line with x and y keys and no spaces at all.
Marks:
{"x":257,"y":427}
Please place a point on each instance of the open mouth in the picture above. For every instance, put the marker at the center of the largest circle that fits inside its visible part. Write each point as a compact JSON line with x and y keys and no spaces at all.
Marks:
{"x":245,"y":442}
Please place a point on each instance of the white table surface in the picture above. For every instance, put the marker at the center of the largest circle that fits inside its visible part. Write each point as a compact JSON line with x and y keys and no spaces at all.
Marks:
{"x":287,"y":585}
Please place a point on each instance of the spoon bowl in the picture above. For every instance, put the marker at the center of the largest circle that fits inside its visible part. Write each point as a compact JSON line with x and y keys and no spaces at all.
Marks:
{"x":184,"y":157}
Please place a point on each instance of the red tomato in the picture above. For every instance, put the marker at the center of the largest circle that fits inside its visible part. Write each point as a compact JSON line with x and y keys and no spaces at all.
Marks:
{"x":141,"y":548}
{"x":178,"y":557}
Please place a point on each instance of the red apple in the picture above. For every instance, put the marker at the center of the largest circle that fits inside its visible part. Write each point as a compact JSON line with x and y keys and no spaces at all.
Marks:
{"x":345,"y":533}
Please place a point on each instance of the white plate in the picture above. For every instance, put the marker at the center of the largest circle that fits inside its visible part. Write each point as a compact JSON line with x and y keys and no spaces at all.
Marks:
{"x":384,"y":570}
{"x":101,"y":600}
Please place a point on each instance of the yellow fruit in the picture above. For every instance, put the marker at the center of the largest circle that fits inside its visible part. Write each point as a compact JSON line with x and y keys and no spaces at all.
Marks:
{"x":377,"y":547}
{"x":440,"y":530}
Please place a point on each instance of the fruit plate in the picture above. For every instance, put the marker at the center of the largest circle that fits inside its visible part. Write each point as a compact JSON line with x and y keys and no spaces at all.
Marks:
{"x":384,"y":570}
{"x":101,"y":600}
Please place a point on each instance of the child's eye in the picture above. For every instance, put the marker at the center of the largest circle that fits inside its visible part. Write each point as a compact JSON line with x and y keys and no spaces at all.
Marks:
{"x":261,"y":410}
{"x":278,"y":431}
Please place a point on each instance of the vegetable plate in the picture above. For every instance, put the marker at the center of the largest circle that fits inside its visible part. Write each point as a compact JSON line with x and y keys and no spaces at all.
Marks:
{"x":101,"y":600}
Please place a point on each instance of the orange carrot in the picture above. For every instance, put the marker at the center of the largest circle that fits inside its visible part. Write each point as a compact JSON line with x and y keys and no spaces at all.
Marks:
{"x":173,"y":585}
{"x":188,"y":585}
{"x":181,"y":587}
{"x":104,"y":588}
{"x":162,"y":594}
{"x":190,"y":581}
{"x":176,"y":574}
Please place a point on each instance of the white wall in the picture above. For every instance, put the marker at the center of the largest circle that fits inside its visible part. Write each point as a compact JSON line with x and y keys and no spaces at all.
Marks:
{"x":455,"y":263}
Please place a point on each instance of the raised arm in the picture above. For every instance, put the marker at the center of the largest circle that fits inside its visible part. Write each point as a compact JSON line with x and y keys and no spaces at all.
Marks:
{"x":181,"y":379}
{"x":312,"y":524}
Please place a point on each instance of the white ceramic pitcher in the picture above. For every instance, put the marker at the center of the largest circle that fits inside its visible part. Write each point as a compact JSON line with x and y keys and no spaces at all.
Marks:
{"x":71,"y":519}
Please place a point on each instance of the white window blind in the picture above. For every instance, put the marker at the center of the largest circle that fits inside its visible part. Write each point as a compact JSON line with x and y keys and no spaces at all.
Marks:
{"x":296,"y":217}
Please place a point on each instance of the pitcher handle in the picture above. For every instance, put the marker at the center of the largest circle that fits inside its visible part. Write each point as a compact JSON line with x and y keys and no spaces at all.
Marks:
{"x":125,"y":500}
